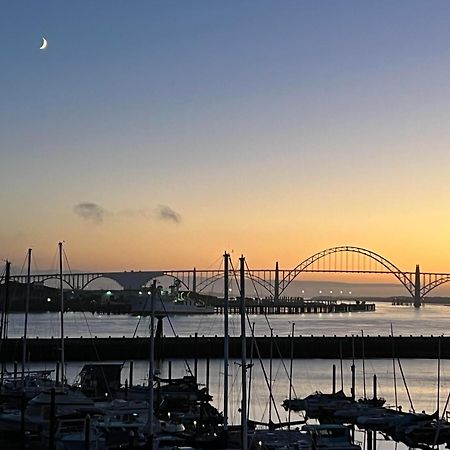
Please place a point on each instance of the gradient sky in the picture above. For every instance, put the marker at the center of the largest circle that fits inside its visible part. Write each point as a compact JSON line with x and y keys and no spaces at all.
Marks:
{"x":274,"y":129}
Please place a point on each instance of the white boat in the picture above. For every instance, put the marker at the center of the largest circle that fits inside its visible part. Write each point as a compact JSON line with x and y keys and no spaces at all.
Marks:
{"x":165,"y":305}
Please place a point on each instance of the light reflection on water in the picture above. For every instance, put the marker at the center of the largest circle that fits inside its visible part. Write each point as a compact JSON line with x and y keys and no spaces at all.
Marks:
{"x":309,"y":376}
{"x":432,"y":319}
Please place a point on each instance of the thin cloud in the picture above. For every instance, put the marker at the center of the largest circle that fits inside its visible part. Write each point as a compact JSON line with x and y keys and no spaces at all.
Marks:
{"x":167,"y":214}
{"x":90,"y":212}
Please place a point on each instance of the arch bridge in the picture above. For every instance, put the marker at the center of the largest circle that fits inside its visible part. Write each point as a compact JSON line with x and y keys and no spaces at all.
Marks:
{"x":274,"y":282}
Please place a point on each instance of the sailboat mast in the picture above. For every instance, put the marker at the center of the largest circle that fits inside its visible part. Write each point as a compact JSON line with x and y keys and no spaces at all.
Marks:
{"x":151,"y":369}
{"x":243,"y":357}
{"x":270,"y":374}
{"x":61,"y":289}
{"x":25,"y":323}
{"x":363,"y":364}
{"x":290,"y":375}
{"x":5,"y":312}
{"x":226,"y":341}
{"x":438,"y":376}
{"x":393,"y":368}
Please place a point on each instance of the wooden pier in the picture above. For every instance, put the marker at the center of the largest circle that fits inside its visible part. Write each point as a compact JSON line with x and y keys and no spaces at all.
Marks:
{"x":290,"y":305}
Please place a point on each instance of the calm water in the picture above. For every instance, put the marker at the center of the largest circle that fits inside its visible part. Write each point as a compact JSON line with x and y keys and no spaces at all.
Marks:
{"x":309,"y":375}
{"x":432,"y":319}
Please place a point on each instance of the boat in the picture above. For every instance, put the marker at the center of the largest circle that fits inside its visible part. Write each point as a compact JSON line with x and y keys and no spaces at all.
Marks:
{"x":319,"y":405}
{"x":310,"y":437}
{"x":330,"y":436}
{"x":167,"y":305}
{"x":77,"y":432}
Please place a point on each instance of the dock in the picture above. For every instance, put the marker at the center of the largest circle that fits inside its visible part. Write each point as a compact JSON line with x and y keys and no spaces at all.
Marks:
{"x":293,"y":305}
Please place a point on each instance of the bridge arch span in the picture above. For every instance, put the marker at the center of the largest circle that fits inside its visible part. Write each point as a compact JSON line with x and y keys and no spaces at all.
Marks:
{"x":128,"y":280}
{"x":65,"y":281}
{"x":388,"y":265}
{"x":267,"y":286}
{"x":434,"y":284}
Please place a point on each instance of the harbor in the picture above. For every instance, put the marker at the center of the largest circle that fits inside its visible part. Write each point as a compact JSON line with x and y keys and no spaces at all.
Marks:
{"x":174,"y":412}
{"x":224,"y":225}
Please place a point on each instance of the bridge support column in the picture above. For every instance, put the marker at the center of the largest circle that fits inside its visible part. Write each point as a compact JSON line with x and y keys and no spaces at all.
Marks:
{"x":276,"y":291}
{"x":194,"y":281}
{"x":417,"y":297}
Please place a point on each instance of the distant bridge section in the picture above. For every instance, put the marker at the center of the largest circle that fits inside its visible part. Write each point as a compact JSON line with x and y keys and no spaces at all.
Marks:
{"x":274,"y":282}
{"x":79,"y":281}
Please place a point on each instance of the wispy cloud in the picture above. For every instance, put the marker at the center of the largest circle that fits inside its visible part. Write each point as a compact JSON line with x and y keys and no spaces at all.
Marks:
{"x":94,"y":213}
{"x":90,"y":212}
{"x":166,"y":213}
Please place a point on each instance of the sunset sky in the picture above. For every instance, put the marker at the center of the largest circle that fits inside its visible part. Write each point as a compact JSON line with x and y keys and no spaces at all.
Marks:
{"x":157,"y":134}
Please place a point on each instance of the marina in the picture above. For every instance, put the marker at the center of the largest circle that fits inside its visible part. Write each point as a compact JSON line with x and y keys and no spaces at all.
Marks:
{"x":224,"y":225}
{"x":100,"y":410}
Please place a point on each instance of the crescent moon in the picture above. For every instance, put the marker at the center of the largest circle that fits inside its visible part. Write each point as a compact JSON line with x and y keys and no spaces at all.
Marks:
{"x":44,"y":44}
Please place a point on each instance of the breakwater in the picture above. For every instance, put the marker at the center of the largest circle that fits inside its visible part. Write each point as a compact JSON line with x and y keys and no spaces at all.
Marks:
{"x":307,"y":347}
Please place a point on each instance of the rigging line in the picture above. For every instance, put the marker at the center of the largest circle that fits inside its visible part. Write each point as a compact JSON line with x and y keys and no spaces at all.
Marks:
{"x":235,"y":276}
{"x":283,"y":364}
{"x":252,"y":279}
{"x":23,"y":264}
{"x":393,"y":367}
{"x":254,"y":287}
{"x":445,"y":407}
{"x":258,"y":352}
{"x":219,"y":259}
{"x":264,"y":373}
{"x":406,"y":385}
{"x":250,"y":374}
{"x":55,"y":256}
{"x":268,"y":324}
{"x":67,"y":261}
{"x":137,"y":325}
{"x":233,"y":385}
{"x":173,"y":331}
{"x":98,"y":356}
{"x":34,"y":263}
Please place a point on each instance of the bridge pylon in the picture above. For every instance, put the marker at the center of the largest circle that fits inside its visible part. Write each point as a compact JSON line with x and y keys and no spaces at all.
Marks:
{"x":194,"y":281}
{"x":276,"y":291}
{"x":417,"y":296}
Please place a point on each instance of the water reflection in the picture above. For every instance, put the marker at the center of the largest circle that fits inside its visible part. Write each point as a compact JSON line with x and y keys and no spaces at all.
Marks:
{"x":432,"y":319}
